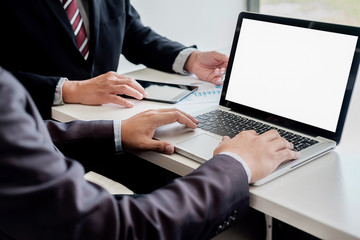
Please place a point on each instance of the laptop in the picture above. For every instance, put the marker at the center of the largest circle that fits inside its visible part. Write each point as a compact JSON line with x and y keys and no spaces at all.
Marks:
{"x":292,"y":75}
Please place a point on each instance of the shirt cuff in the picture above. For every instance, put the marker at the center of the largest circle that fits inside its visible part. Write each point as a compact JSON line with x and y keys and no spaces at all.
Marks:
{"x":180,"y":61}
{"x":239,"y":159}
{"x":117,"y":135}
{"x":58,"y":100}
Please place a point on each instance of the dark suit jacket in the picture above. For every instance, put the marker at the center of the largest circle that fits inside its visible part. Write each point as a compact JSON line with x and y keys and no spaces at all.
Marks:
{"x":38,"y":46}
{"x":43,"y":194}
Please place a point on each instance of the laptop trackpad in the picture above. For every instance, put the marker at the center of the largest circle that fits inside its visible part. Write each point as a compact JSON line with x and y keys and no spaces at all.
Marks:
{"x":201,"y":147}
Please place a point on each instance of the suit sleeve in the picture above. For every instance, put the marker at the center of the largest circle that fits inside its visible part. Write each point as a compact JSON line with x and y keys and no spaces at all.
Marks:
{"x":144,"y":45}
{"x":197,"y":206}
{"x":43,"y":194}
{"x":41,"y":88}
{"x":88,"y":137}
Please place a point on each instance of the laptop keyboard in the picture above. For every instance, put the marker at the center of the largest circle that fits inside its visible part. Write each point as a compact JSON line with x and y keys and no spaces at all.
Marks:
{"x":224,"y":123}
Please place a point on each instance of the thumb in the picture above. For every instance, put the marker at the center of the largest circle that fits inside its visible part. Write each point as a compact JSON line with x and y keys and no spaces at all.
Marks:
{"x":225,"y":138}
{"x":162,"y":147}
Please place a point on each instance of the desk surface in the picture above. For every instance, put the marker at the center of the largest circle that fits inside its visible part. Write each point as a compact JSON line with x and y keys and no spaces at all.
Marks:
{"x":321,"y":197}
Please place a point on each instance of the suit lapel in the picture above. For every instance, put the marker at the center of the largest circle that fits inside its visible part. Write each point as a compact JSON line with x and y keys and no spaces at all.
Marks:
{"x":56,"y":8}
{"x":59,"y":13}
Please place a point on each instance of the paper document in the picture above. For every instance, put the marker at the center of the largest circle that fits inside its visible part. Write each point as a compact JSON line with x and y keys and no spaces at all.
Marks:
{"x":203,"y":95}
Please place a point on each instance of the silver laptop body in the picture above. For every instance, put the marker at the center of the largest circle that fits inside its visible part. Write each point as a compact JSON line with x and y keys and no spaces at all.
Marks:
{"x":289,"y":74}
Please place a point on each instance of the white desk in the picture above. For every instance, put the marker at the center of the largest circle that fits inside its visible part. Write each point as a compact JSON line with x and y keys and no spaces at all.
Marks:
{"x":321,"y":197}
{"x":178,"y":164}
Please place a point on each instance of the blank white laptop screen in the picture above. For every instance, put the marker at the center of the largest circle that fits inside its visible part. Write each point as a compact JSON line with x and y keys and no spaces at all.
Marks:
{"x":292,"y":72}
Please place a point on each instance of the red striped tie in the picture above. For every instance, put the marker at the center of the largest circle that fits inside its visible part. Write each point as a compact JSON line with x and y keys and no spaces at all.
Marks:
{"x":76,"y":21}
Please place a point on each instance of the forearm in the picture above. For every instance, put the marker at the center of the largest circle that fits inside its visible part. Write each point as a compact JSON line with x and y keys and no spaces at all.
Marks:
{"x":43,"y":181}
{"x":83,"y":136}
{"x":192,"y":207}
{"x":143,"y":45}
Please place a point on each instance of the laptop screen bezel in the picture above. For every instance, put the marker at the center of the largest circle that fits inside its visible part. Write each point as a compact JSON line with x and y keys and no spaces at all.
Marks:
{"x":278,"y":120}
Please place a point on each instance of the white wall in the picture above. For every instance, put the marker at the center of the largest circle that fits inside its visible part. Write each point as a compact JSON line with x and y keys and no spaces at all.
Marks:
{"x":210,"y":24}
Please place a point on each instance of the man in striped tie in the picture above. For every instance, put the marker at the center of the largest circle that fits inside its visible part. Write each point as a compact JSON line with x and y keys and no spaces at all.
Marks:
{"x":67,"y":51}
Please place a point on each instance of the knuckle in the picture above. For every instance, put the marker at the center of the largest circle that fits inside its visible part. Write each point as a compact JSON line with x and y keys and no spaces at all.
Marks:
{"x":150,"y":112}
{"x":290,"y":154}
{"x":127,"y":80}
{"x":246,"y":132}
{"x":122,"y":88}
{"x":294,"y":154}
{"x":273,"y":131}
{"x":284,"y":142}
{"x":175,"y":115}
{"x":109,"y":74}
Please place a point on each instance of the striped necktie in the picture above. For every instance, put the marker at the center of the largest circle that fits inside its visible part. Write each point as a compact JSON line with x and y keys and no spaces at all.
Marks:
{"x":76,"y":21}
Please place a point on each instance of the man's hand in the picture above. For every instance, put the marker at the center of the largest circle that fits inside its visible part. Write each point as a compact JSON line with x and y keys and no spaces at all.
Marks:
{"x":103,"y":89}
{"x":207,"y":66}
{"x":138,"y":131}
{"x":262,"y":153}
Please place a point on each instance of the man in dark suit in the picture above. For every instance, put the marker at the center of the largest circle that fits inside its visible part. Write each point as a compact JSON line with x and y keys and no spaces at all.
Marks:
{"x":39,"y":46}
{"x":43,"y":194}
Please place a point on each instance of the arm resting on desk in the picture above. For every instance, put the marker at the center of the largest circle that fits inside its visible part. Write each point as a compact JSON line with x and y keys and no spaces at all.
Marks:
{"x":45,"y":194}
{"x":67,"y":207}
{"x":82,"y":136}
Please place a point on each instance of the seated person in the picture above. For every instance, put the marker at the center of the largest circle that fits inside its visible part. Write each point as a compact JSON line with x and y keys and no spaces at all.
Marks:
{"x":44,"y":50}
{"x":43,"y":194}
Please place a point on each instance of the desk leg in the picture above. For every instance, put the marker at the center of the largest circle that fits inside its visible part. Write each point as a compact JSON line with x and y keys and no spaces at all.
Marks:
{"x":269,"y":227}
